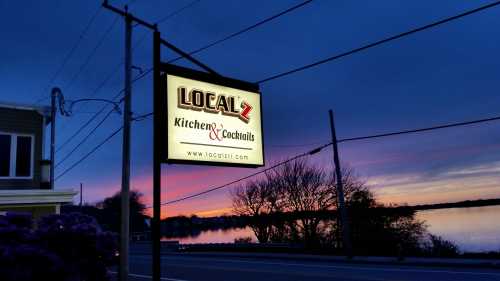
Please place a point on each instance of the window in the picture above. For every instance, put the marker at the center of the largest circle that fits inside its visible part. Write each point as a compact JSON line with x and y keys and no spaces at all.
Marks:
{"x":16,"y":156}
{"x":5,"y":155}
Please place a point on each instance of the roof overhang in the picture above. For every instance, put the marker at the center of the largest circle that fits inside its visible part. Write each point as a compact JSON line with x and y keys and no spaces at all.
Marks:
{"x":43,"y":110}
{"x":35,"y":196}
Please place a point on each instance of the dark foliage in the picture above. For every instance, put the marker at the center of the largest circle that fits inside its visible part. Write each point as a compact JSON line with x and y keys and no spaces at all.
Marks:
{"x":438,"y":247}
{"x":181,"y":226}
{"x":108,"y":212}
{"x":62,"y":247}
{"x":111,"y":208}
{"x":297,"y":203}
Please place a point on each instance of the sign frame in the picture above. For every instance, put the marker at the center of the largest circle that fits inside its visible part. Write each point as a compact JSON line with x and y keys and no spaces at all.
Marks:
{"x":162,"y":128}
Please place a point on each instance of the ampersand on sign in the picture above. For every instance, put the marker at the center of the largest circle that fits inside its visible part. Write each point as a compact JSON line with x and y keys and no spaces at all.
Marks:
{"x":214,"y":132}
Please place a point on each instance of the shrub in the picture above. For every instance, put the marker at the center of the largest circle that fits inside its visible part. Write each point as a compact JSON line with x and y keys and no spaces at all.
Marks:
{"x":63,"y":247}
{"x":243,"y":240}
{"x":439,"y":247}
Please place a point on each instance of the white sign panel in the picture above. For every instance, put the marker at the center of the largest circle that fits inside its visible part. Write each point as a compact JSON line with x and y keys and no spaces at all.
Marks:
{"x":213,"y":124}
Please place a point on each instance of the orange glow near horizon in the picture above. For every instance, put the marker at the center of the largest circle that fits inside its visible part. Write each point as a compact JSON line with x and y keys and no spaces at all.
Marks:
{"x":474,"y":182}
{"x":412,"y":192}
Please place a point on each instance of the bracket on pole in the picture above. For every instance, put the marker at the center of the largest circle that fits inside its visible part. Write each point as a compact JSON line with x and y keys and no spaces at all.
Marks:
{"x":188,"y":57}
{"x":125,"y":13}
{"x":154,"y":27}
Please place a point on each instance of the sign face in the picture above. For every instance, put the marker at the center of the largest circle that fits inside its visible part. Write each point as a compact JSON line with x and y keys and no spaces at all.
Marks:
{"x":212,"y":120}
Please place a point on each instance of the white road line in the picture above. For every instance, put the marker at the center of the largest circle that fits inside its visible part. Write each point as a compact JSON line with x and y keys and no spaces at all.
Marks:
{"x":348,"y":267}
{"x":149,"y":276}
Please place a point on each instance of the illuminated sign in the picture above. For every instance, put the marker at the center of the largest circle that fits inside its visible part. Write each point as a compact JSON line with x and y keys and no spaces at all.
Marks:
{"x":211,"y":120}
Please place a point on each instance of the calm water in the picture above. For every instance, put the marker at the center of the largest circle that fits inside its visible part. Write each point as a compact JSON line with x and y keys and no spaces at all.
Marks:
{"x":472,"y":229}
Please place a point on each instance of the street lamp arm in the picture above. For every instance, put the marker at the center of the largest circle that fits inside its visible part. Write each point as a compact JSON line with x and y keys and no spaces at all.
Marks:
{"x":115,"y":104}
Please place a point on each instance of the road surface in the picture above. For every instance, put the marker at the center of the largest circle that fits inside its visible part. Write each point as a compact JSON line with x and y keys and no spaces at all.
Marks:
{"x":178,"y":267}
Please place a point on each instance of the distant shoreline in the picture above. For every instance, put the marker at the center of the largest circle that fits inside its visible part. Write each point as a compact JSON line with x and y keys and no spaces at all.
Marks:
{"x":461,"y":204}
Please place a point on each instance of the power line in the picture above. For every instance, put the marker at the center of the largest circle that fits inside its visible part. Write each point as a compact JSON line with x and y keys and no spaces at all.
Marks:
{"x":89,"y":153}
{"x":97,"y":89}
{"x":104,"y":82}
{"x":167,"y":17}
{"x":496,"y":118}
{"x":115,"y":70}
{"x":431,"y":25}
{"x":246,"y":29}
{"x":143,"y":116}
{"x":318,"y":149}
{"x":93,"y":117}
{"x":428,"y":26}
{"x":313,"y":151}
{"x":349,"y":139}
{"x":93,"y":52}
{"x":72,"y":50}
{"x":85,"y":138}
{"x":79,"y":130}
{"x":178,"y":11}
{"x":196,"y":51}
{"x":293,"y":145}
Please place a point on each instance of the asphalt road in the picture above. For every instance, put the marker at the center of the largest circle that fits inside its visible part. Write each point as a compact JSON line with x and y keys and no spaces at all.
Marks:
{"x":177,"y":267}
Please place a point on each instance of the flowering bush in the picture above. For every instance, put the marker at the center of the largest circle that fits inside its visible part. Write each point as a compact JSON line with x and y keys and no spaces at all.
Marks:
{"x":62,"y":247}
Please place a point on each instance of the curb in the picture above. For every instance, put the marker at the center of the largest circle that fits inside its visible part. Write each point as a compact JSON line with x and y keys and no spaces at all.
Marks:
{"x":410,"y":261}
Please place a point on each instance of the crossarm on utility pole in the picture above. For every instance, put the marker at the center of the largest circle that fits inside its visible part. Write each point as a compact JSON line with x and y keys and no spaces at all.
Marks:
{"x":106,"y":5}
{"x":189,"y":57}
{"x":154,"y":27}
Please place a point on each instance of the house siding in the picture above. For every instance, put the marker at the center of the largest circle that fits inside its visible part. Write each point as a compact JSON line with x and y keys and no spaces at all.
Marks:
{"x":24,"y":122}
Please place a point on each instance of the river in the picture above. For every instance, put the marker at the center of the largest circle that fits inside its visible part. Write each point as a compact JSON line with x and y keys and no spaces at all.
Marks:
{"x":474,"y":229}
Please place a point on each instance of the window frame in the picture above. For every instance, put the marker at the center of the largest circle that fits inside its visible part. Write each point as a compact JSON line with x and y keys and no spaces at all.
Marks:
{"x":13,"y":156}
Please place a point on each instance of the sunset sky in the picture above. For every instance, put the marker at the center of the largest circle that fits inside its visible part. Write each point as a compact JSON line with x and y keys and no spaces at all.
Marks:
{"x":450,"y":73}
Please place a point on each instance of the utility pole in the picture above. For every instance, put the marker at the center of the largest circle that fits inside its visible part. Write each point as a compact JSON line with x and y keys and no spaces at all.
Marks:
{"x":55,"y":92}
{"x":127,"y":115}
{"x":346,"y":236}
{"x":127,"y":118}
{"x":81,"y":195}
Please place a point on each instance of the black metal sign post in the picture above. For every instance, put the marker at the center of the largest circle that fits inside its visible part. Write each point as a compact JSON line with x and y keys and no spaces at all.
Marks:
{"x":160,"y":155}
{"x":158,"y":143}
{"x":160,"y":121}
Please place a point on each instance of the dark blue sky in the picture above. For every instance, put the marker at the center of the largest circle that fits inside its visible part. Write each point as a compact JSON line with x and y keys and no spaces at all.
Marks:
{"x":446,"y":74}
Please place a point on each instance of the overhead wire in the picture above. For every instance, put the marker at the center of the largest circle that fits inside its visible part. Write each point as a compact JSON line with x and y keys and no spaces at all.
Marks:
{"x":318,"y":149}
{"x":115,"y":70}
{"x":92,"y":53}
{"x":98,"y":113}
{"x":246,"y":29}
{"x":70,"y":53}
{"x":339,"y":56}
{"x":379,"y":42}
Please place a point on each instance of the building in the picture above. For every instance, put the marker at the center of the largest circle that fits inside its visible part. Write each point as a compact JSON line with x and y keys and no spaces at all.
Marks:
{"x":22,"y":145}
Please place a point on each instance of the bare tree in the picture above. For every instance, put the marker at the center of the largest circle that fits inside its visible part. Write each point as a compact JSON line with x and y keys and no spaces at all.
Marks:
{"x":297,"y":202}
{"x":304,"y":190}
{"x":300,"y":190}
{"x":252,"y":200}
{"x":351,"y":184}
